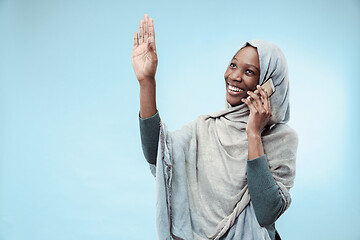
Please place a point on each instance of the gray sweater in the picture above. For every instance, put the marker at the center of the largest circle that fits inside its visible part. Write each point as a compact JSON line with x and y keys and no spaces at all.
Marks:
{"x":264,"y":193}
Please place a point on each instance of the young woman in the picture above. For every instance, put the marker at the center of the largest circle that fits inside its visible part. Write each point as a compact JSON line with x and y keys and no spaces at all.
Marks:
{"x":226,"y":175}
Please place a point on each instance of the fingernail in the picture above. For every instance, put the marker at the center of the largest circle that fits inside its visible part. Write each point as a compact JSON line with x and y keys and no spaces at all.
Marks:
{"x":248,"y":91}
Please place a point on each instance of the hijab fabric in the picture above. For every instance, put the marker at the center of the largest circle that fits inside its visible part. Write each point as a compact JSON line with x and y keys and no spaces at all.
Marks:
{"x":201,"y":180}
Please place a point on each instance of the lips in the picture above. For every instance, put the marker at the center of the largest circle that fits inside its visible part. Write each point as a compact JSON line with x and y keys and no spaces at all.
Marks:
{"x":234,"y":90}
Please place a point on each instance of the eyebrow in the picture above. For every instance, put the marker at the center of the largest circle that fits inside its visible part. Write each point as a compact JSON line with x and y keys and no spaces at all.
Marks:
{"x":253,"y":66}
{"x":250,"y":65}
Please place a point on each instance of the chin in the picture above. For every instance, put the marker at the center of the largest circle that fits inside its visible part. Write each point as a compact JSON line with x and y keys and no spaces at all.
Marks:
{"x":234,"y":102}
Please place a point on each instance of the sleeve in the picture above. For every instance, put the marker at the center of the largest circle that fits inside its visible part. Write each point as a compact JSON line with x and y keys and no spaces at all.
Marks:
{"x":264,"y":192}
{"x":149,"y":134}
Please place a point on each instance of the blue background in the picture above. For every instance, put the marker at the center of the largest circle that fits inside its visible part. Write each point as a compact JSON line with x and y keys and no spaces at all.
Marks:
{"x":71,"y":165}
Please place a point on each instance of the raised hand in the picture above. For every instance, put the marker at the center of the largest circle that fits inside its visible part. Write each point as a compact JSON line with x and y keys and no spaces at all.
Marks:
{"x":144,"y":58}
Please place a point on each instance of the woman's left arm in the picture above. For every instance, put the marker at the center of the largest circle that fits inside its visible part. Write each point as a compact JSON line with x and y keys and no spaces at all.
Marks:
{"x":264,"y":192}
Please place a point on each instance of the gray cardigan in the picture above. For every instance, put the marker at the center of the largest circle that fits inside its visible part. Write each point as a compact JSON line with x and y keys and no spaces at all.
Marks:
{"x":264,"y":193}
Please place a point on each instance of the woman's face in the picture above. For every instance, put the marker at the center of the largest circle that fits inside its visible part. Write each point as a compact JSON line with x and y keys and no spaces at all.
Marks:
{"x":242,"y":75}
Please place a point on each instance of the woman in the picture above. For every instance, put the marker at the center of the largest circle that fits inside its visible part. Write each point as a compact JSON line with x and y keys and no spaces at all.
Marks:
{"x":226,"y":175}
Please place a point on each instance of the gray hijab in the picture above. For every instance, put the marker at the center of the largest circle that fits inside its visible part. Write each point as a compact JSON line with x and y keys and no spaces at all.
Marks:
{"x":201,"y":168}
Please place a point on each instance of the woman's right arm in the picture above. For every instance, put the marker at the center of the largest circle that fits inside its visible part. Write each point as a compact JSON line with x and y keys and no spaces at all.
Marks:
{"x":149,"y":133}
{"x":144,"y":60}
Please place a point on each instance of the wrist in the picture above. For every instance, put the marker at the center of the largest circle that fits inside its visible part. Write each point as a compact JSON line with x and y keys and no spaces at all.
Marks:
{"x":253,"y":134}
{"x":255,"y":146}
{"x":147,"y":82}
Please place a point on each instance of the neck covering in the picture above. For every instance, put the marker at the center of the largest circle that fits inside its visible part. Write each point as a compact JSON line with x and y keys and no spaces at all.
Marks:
{"x":201,"y":180}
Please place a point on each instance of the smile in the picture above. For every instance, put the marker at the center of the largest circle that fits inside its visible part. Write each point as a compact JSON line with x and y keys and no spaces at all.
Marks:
{"x":234,"y":88}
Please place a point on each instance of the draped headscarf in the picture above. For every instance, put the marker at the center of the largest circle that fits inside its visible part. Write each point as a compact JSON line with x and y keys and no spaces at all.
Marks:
{"x":201,"y":168}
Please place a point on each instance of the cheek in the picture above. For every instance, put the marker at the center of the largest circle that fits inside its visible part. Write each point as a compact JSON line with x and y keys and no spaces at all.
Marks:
{"x":251,"y":82}
{"x":227,"y":73}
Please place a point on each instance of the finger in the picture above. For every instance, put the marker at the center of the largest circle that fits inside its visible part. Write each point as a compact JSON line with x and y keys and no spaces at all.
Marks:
{"x":257,"y":96}
{"x":265,"y":98}
{"x":146,"y":27}
{"x":141,"y":32}
{"x":152,"y":34}
{"x":249,"y":104}
{"x":267,"y":105}
{"x":151,"y":28}
{"x":262,"y":93}
{"x":148,"y":42}
{"x":260,"y":99}
{"x":266,"y":102}
{"x":254,"y":97}
{"x":136,"y":39}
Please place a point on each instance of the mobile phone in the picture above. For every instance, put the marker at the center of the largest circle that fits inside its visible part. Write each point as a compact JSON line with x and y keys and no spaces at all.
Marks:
{"x":268,"y":85}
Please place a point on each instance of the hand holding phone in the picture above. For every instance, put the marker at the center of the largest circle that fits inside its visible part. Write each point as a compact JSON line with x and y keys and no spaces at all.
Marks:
{"x":268,"y":86}
{"x":260,"y":114}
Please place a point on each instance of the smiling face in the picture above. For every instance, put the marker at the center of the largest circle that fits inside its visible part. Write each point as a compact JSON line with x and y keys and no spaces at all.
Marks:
{"x":242,"y":75}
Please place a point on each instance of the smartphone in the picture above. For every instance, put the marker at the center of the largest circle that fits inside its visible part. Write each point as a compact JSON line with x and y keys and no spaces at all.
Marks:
{"x":268,"y":85}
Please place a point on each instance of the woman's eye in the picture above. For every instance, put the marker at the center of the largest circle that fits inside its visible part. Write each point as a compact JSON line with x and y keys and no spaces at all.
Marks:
{"x":250,"y":71}
{"x":232,"y":65}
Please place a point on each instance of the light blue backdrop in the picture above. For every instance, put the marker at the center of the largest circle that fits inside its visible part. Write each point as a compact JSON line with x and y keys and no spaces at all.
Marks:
{"x":71,"y":165}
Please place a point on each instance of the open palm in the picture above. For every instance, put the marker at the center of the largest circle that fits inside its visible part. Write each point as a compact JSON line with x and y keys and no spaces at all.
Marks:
{"x":144,"y":58}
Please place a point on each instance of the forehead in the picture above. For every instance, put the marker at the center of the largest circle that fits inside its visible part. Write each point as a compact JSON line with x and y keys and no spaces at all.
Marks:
{"x":248,"y":55}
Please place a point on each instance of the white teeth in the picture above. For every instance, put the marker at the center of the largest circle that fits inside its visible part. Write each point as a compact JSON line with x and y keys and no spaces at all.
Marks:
{"x":235,"y":89}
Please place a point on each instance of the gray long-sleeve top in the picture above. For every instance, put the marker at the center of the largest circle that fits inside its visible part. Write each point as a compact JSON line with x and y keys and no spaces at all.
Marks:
{"x":264,"y":192}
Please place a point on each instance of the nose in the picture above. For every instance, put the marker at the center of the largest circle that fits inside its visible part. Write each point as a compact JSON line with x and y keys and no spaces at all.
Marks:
{"x":236,"y":76}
